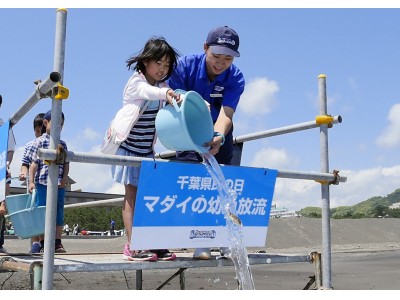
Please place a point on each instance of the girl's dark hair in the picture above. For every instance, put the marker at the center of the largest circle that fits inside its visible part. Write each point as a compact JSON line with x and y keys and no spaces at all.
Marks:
{"x":154,"y":50}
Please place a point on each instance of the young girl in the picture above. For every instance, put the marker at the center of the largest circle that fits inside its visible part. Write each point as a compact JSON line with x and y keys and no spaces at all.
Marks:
{"x":147,"y":90}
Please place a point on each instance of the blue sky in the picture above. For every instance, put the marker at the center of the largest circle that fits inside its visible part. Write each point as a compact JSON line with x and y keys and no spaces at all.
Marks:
{"x":282,"y":53}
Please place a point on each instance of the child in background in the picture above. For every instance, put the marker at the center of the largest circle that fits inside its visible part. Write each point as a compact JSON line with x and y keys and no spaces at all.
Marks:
{"x":145,"y":89}
{"x":38,"y":129}
{"x":38,"y":174}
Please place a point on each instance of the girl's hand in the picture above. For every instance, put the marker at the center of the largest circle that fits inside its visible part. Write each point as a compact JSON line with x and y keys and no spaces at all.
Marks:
{"x":171,"y":94}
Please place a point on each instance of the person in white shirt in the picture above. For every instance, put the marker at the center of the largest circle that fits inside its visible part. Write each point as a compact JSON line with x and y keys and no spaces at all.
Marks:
{"x":67,"y":229}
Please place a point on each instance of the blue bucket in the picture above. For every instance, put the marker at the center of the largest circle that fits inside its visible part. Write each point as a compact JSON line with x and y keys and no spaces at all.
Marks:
{"x":28,"y":220}
{"x":16,"y":203}
{"x":186,"y":127}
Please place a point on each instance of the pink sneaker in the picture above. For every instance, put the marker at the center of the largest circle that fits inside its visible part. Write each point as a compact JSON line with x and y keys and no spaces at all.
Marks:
{"x":141,"y":255}
{"x":164,"y":254}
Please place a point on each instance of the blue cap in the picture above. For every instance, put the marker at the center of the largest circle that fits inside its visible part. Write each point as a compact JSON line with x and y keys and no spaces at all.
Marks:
{"x":223,"y":40}
{"x":47,"y":116}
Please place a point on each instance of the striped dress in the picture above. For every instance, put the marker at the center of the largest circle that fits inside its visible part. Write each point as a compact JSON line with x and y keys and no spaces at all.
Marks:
{"x":141,"y":137}
{"x":139,"y":143}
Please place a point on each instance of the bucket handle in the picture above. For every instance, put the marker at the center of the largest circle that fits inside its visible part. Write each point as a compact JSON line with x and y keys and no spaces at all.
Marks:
{"x":181,"y":92}
{"x":30,"y":203}
{"x":31,"y":200}
{"x":177,"y":108}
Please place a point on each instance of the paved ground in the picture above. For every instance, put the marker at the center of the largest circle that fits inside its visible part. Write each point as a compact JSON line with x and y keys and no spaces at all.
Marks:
{"x":365,"y":256}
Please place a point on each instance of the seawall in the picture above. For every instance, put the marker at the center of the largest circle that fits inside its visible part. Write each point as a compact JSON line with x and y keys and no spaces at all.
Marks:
{"x":286,"y":233}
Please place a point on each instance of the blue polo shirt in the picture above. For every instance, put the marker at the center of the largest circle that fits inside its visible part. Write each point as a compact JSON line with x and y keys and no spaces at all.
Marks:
{"x":191,"y":75}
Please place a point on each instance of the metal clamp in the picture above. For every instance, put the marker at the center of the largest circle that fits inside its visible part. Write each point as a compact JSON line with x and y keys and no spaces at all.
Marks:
{"x":335,"y":180}
{"x":61,"y":92}
{"x":61,"y":156}
{"x":325,"y":119}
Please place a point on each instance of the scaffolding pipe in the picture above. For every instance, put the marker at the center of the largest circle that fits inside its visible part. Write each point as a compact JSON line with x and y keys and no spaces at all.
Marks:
{"x":266,"y":133}
{"x":97,"y":203}
{"x":52,"y":179}
{"x":326,"y":226}
{"x":94,"y":158}
{"x":36,"y":277}
{"x":282,"y":130}
{"x":14,"y":266}
{"x":316,"y":258}
{"x":42,"y":91}
{"x":105,"y":159}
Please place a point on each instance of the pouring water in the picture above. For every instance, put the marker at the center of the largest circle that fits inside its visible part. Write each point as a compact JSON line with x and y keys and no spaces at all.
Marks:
{"x":237,"y":251}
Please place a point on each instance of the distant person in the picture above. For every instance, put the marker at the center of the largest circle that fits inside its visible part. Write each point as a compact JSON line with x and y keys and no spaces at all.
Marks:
{"x":67,"y":229}
{"x":76,"y":229}
{"x":38,"y":176}
{"x":10,"y":226}
{"x":38,"y":130}
{"x":112,"y":227}
{"x":213,"y":75}
{"x":10,"y":154}
{"x":147,"y":90}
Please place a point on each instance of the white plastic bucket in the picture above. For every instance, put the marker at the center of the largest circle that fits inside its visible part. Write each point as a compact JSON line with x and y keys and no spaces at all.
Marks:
{"x":186,"y":127}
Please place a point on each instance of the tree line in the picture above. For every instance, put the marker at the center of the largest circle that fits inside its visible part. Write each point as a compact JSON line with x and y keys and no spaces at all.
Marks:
{"x":375,"y":207}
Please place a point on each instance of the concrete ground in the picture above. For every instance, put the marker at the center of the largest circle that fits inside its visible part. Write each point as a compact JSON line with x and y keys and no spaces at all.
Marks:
{"x":365,"y":256}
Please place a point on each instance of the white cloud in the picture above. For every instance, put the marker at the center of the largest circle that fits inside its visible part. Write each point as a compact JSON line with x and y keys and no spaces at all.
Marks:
{"x":391,"y":135}
{"x":259,"y":96}
{"x":116,"y":188}
{"x":295,"y":194}
{"x":272,"y":158}
{"x":90,"y":177}
{"x":360,"y":186}
{"x":84,"y":140}
{"x":364,"y":184}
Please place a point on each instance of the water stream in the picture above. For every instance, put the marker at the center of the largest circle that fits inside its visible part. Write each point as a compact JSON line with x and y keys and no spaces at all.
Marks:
{"x":237,"y":251}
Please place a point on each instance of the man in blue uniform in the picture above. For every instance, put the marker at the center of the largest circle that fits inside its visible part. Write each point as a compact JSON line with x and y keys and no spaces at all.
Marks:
{"x":213,"y":75}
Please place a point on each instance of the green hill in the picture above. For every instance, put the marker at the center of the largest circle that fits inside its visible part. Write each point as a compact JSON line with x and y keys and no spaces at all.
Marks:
{"x":375,"y":207}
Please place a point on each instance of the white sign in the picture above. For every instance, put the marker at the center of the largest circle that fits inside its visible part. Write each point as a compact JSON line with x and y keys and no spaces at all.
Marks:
{"x":178,"y":206}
